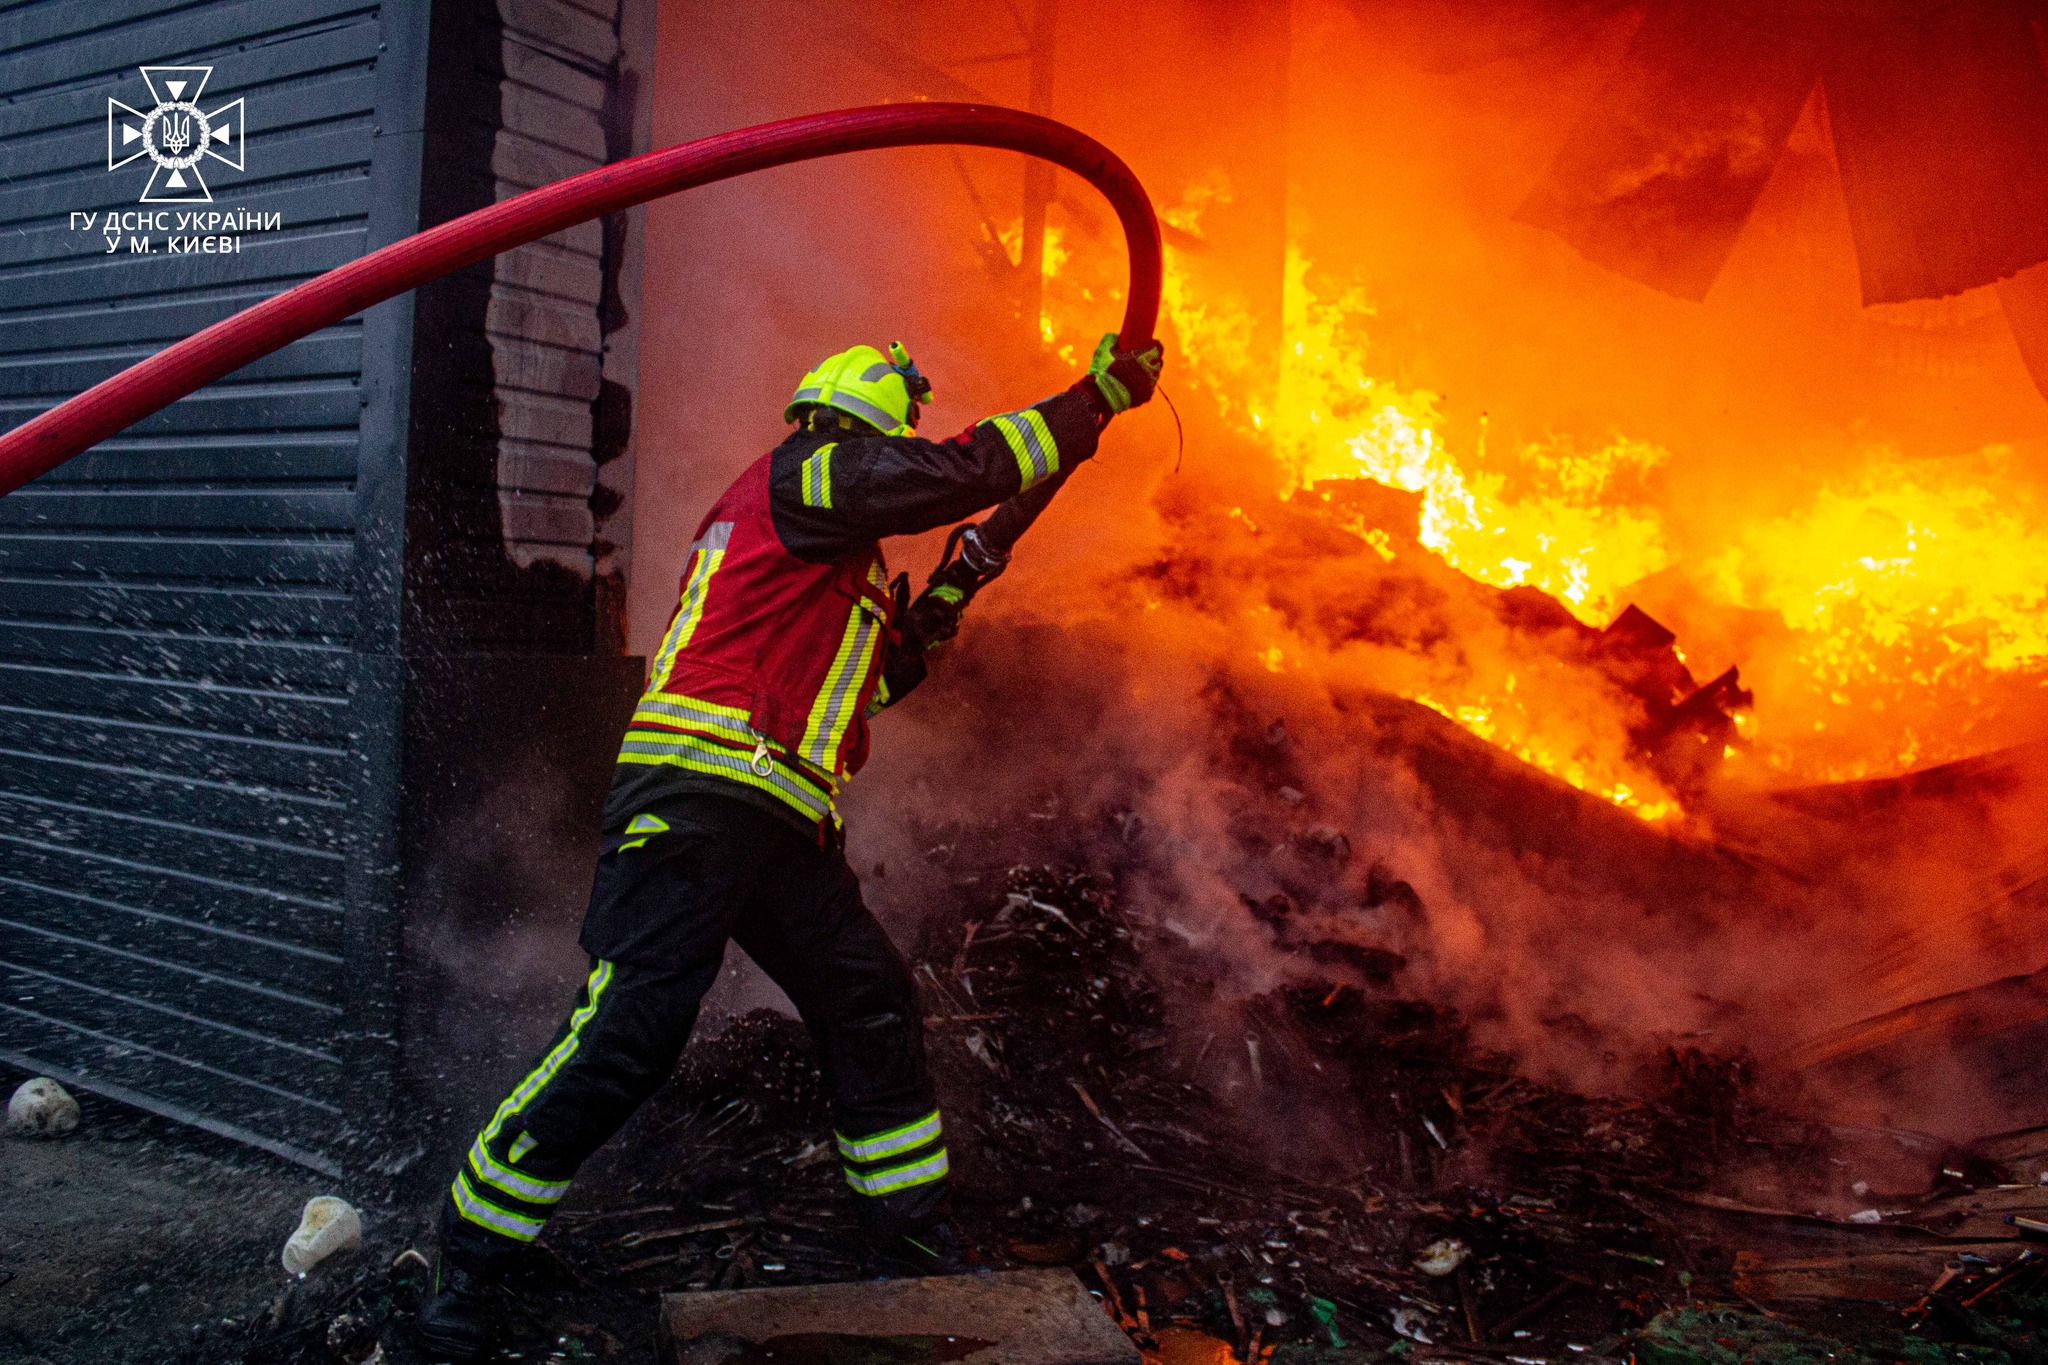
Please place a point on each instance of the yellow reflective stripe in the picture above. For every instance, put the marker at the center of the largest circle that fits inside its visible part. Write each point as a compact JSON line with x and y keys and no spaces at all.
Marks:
{"x":1030,"y":441}
{"x":833,"y":710}
{"x":487,"y":1169}
{"x":1027,"y":471}
{"x":904,"y":1177}
{"x":646,"y":826}
{"x":645,"y":740}
{"x":672,"y":709}
{"x":654,"y":733}
{"x":913,"y":1134}
{"x":537,"y":1079}
{"x":470,"y":1203}
{"x":476,"y":1209}
{"x":696,"y":707}
{"x":817,"y":476}
{"x":706,"y":756}
{"x":710,"y":553}
{"x":677,"y":706}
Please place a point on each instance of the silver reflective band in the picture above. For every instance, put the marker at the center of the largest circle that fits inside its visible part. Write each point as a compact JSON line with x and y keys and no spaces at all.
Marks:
{"x":853,"y":403}
{"x":487,"y":1169}
{"x":890,"y":1143}
{"x":474,"y":1208}
{"x":684,"y":711}
{"x":903,"y":1177}
{"x":1030,"y":440}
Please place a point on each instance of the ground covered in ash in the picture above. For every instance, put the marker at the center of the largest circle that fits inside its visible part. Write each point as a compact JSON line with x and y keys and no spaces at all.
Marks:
{"x":1320,"y":1174}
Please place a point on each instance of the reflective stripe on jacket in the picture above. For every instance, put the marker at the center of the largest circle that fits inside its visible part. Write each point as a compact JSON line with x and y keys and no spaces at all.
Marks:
{"x":769,"y":664}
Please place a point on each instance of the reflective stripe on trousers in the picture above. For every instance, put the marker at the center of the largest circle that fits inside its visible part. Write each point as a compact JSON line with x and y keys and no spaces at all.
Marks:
{"x":487,"y":1191}
{"x":875,"y":1165}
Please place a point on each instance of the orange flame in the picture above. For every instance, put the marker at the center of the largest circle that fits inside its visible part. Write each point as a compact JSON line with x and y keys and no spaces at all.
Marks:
{"x":1898,"y":593}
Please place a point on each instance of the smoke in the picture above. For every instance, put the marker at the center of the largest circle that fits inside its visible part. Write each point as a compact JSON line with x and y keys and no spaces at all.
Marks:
{"x":490,"y":933}
{"x":1283,"y":828}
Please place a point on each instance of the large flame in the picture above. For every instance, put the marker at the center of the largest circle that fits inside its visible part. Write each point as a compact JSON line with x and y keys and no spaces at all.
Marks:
{"x":1580,"y":532}
{"x":1914,"y":594}
{"x":1883,"y":604}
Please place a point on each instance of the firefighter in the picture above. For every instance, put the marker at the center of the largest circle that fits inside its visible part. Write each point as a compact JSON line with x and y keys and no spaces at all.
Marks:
{"x":720,"y":822}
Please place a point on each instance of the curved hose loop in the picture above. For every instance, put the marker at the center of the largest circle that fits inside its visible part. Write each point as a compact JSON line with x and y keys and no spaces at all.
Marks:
{"x":47,"y":440}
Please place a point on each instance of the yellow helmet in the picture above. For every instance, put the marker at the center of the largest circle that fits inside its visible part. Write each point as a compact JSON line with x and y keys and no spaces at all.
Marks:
{"x":882,"y":390}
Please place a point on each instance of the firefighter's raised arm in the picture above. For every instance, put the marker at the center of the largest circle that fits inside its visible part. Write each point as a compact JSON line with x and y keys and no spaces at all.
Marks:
{"x":857,"y":472}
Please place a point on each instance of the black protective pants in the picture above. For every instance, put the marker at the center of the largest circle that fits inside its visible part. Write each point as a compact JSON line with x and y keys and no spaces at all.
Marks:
{"x":670,"y":890}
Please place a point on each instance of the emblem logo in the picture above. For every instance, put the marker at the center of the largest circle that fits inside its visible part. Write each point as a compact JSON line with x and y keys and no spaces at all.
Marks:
{"x":177,"y":135}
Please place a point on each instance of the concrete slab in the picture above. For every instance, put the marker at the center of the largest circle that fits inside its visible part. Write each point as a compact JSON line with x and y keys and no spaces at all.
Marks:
{"x":1019,"y":1317}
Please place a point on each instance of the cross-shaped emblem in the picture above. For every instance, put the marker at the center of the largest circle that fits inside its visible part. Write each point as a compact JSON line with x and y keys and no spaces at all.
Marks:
{"x":175,"y":135}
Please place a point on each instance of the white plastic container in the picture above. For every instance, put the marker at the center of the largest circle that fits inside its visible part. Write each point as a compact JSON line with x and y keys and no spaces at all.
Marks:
{"x":328,"y":1225}
{"x":41,"y":1108}
{"x":1442,"y":1257}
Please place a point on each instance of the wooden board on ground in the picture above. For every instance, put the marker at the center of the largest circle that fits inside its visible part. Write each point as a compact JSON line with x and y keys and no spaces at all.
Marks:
{"x":1894,"y":1275}
{"x":1980,"y":1215}
{"x":1022,"y":1317}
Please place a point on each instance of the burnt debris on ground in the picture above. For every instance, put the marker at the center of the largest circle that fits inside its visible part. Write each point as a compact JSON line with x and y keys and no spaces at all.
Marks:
{"x":1325,"y":1169}
{"x":1324,"y":1166}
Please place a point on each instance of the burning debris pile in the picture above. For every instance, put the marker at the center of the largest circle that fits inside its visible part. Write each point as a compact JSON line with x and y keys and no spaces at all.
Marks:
{"x":1341,"y":582}
{"x":1881,"y":592}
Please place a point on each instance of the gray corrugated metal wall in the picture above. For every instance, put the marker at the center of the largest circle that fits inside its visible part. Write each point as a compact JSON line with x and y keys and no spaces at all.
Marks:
{"x":230,"y":637}
{"x":179,"y":607}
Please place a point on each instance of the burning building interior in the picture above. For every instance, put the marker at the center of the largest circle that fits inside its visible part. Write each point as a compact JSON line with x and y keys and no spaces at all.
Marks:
{"x":1498,"y":820}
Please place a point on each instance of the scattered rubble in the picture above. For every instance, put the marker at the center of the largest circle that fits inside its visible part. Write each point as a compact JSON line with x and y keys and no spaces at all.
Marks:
{"x":356,"y":1313}
{"x":1324,"y":1174}
{"x":352,"y":1339}
{"x":1323,"y":1169}
{"x":41,"y":1108}
{"x":328,"y":1225}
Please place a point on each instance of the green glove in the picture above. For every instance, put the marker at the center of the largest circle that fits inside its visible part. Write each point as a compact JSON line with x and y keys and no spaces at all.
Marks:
{"x":935,"y":615}
{"x":1125,"y":379}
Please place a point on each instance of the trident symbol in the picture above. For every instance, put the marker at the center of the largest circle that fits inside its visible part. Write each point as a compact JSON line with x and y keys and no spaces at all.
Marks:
{"x":177,"y":133}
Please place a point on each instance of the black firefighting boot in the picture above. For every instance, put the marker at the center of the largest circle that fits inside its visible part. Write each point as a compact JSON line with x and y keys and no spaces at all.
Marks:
{"x":932,"y":1249}
{"x":458,"y":1323}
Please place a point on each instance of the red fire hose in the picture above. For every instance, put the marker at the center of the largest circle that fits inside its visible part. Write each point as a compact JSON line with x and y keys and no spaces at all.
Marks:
{"x":46,"y":441}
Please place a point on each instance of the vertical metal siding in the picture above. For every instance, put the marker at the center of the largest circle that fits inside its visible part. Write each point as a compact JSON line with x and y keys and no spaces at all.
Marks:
{"x":177,"y":607}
